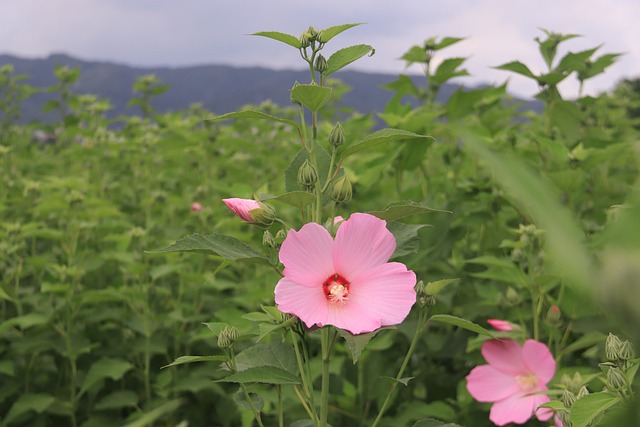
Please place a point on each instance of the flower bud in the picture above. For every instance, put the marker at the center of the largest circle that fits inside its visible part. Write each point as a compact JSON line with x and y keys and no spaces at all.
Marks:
{"x":568,"y":398}
{"x":626,"y":351}
{"x":512,"y":296}
{"x":280,"y":236}
{"x":336,"y":136}
{"x":342,"y":191}
{"x":242,"y":207}
{"x":196,"y":207}
{"x":268,"y":240}
{"x":307,"y":176}
{"x":583,"y":392}
{"x":227,"y":337}
{"x":553,"y":315}
{"x":313,"y":33}
{"x":612,"y":347}
{"x":320,"y":64}
{"x":616,"y":379}
{"x":264,"y":215}
{"x":305,"y":39}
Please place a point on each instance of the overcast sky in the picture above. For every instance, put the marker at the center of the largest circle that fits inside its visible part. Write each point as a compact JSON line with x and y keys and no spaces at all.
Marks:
{"x":189,"y":32}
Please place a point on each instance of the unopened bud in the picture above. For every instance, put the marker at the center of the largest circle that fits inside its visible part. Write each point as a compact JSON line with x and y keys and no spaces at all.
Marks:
{"x":305,"y":39}
{"x":626,"y":351}
{"x":616,"y":379}
{"x":583,"y":392}
{"x":553,"y":315}
{"x":320,"y":64}
{"x":568,"y":398}
{"x":612,"y":347}
{"x":512,"y":296}
{"x":313,"y":33}
{"x":264,"y":215}
{"x":280,"y":236}
{"x":227,"y":337}
{"x":336,"y":136}
{"x":307,"y":176}
{"x":268,"y":239}
{"x":342,"y":191}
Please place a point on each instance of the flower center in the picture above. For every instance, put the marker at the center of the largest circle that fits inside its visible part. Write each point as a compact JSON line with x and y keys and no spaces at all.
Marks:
{"x":336,"y":288}
{"x":527,"y":382}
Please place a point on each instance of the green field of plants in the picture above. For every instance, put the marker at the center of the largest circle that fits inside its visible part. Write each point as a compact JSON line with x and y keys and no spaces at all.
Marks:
{"x":442,"y":264}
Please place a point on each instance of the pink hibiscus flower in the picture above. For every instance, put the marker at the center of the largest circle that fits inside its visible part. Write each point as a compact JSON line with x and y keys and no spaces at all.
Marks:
{"x":500,"y":325}
{"x":347,"y":282}
{"x":196,"y":207}
{"x":511,"y":380}
{"x":241,"y":207}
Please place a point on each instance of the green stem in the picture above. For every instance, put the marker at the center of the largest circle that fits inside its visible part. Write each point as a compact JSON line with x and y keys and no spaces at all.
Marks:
{"x":280,"y":413}
{"x":422,"y":325}
{"x":304,"y":375}
{"x":245,"y":392}
{"x":324,"y":401}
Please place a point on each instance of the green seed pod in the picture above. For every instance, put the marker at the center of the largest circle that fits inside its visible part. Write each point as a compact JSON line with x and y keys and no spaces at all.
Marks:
{"x":336,"y":136}
{"x":612,"y":347}
{"x":342,"y":191}
{"x":307,"y":176}
{"x":320,"y":64}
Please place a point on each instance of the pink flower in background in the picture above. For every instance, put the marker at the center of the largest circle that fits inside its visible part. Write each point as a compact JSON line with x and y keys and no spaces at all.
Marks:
{"x":337,"y":220}
{"x":241,"y":207}
{"x":347,"y":282}
{"x":510,"y":380}
{"x":196,"y":207}
{"x":500,"y":325}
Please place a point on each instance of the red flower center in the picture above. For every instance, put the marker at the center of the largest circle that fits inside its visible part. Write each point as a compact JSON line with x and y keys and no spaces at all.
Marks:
{"x":336,"y":288}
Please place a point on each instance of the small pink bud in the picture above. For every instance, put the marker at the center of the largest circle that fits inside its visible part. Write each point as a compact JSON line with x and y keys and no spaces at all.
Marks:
{"x":500,"y":325}
{"x":196,"y":207}
{"x":241,"y":207}
{"x":337,"y":219}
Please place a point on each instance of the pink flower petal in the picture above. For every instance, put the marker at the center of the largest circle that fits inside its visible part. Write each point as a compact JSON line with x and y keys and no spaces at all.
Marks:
{"x":306,"y":255}
{"x":487,"y":384}
{"x":308,"y":303}
{"x":539,"y":360}
{"x":543,"y":414}
{"x":514,"y":409}
{"x":386,"y":290}
{"x":353,"y":317}
{"x":505,"y":356}
{"x":241,"y":207}
{"x":500,"y":325}
{"x":362,"y":242}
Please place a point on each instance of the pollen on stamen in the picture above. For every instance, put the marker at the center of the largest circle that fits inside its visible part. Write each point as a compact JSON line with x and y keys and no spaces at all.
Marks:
{"x":336,"y":288}
{"x":527,"y":381}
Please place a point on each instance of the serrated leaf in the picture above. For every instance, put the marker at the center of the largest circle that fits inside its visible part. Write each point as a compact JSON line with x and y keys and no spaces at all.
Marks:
{"x":356,"y":343}
{"x":329,"y":33}
{"x":155,"y":414}
{"x":433,"y":288}
{"x":448,"y":70}
{"x":217,"y":244}
{"x":346,"y":56}
{"x":277,"y":355}
{"x":312,"y":96}
{"x":381,"y":137}
{"x":104,"y":368}
{"x":462,"y":323}
{"x":262,"y":374}
{"x":117,"y":400}
{"x":589,"y":407}
{"x":517,"y":67}
{"x":403,"y":209}
{"x":414,"y":54}
{"x":447,"y":41}
{"x":281,"y":37}
{"x":406,"y":235}
{"x":250,"y":114}
{"x":298,"y":199}
{"x":216,"y":327}
{"x":191,"y":359}
{"x":556,"y":405}
{"x":37,"y":402}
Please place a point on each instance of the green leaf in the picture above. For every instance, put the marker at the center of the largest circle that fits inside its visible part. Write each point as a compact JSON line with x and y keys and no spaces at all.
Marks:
{"x":5,"y":296}
{"x":567,"y":117}
{"x":400,"y":210}
{"x":157,"y":413}
{"x":117,"y":400}
{"x":406,"y":235}
{"x":447,"y":41}
{"x":262,"y":374}
{"x":556,"y":405}
{"x":448,"y":70}
{"x":329,"y":33}
{"x":403,"y":381}
{"x":517,"y":67}
{"x":432,"y":422}
{"x":105,"y":368}
{"x":589,"y":407}
{"x":214,"y":244}
{"x":277,"y":355}
{"x":415,"y":54}
{"x":37,"y":402}
{"x":191,"y":359}
{"x":433,"y":288}
{"x":346,"y":56}
{"x":356,"y":343}
{"x":291,"y":173}
{"x":462,"y":323}
{"x":281,"y":37}
{"x":250,"y":114}
{"x":216,"y":327}
{"x":25,"y":321}
{"x":297,"y":199}
{"x":311,"y":96}
{"x":381,"y":137}
{"x":6,"y":368}
{"x":241,"y":400}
